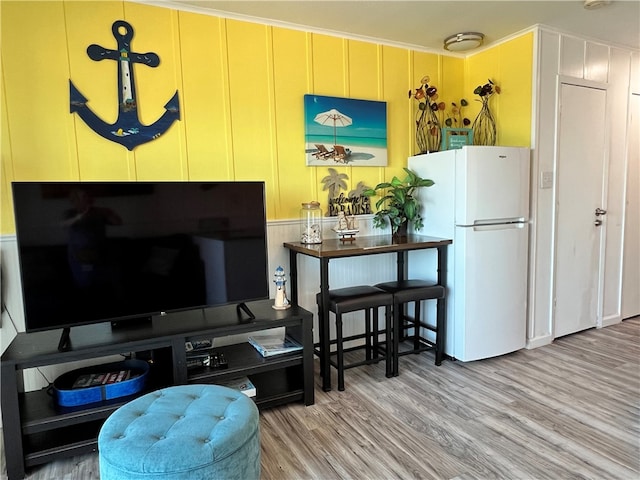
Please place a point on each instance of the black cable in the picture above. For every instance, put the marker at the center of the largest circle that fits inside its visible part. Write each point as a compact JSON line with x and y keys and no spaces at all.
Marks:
{"x":5,"y":309}
{"x":43,"y":376}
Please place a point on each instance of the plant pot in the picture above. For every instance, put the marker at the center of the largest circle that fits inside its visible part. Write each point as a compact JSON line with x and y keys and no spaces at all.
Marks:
{"x":401,"y":232}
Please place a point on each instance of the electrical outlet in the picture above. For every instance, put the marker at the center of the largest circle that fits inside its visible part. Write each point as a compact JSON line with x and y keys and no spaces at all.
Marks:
{"x":546,"y":179}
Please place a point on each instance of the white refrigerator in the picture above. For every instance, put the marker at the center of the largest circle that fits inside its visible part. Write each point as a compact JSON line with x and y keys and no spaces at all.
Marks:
{"x":480,"y":199}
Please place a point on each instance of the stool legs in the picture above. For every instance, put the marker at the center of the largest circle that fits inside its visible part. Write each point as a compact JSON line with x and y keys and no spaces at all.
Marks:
{"x":405,"y":293}
{"x":388,"y":333}
{"x":339,"y":352}
{"x":416,"y":325}
{"x":398,"y":330}
{"x":321,"y":327}
{"x":440,"y":326}
{"x":371,"y":346}
{"x":365,"y":299}
{"x":367,"y":332}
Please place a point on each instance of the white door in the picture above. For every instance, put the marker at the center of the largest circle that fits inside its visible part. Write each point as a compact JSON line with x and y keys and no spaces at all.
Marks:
{"x":631,"y":264}
{"x":580,"y":180}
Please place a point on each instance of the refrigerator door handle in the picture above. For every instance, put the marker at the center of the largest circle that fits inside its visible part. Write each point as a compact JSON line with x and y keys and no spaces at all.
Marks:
{"x":494,"y":221}
{"x":498,"y":226}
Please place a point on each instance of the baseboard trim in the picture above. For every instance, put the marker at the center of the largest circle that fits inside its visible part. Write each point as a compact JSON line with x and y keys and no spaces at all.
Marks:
{"x":611,"y":320}
{"x":538,"y":342}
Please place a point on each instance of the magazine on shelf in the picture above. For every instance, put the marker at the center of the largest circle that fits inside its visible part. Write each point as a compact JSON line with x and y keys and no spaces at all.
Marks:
{"x":242,"y":384}
{"x":269,"y":345}
{"x":195,"y":345}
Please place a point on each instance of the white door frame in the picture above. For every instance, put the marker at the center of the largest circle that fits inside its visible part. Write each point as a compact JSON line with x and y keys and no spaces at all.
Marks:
{"x":629,"y":282}
{"x":566,"y":80}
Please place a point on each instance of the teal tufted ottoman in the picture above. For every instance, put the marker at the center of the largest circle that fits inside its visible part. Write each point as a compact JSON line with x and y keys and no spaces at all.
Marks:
{"x":186,"y":432}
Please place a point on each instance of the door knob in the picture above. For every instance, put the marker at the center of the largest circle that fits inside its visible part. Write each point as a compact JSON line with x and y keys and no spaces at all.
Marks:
{"x":598,"y":222}
{"x":600,"y":211}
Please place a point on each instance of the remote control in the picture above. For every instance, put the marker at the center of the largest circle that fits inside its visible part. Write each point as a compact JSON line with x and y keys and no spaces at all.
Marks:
{"x":222,"y":359}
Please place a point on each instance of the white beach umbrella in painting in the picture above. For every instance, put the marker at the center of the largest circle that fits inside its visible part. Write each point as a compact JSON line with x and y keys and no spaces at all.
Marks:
{"x":335,"y":118}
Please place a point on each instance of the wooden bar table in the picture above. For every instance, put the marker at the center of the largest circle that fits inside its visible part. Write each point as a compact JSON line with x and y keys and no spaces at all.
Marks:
{"x":365,"y":245}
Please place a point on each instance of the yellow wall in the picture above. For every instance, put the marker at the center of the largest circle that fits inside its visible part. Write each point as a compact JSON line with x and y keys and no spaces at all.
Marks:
{"x":510,"y":66}
{"x":241,"y":88}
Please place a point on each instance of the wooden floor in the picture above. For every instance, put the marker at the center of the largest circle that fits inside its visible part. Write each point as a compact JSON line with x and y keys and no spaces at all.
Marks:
{"x":567,"y":410}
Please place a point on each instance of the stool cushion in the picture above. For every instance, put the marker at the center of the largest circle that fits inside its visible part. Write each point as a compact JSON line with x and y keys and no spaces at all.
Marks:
{"x":350,"y":299}
{"x":182,"y":432}
{"x":412,"y":290}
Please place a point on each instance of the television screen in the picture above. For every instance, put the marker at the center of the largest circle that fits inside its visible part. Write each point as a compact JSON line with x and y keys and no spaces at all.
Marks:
{"x":104,"y":251}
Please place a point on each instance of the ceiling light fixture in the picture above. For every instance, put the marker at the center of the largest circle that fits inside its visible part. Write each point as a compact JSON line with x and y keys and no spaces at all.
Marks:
{"x":593,"y":4}
{"x":461,"y":42}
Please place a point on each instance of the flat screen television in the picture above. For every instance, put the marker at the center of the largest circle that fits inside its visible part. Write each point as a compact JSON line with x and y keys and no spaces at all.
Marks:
{"x":94,"y":252}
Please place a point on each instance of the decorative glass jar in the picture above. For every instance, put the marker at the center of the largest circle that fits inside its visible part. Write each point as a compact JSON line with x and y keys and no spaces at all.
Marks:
{"x":311,"y":223}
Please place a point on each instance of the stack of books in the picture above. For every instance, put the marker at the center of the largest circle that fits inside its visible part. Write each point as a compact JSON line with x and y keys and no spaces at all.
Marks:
{"x":269,"y":345}
{"x":242,"y":384}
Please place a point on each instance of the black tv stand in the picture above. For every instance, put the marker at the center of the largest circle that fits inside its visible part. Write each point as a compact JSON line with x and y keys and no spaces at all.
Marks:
{"x":131,"y":322}
{"x":36,"y":430}
{"x":64,"y":344}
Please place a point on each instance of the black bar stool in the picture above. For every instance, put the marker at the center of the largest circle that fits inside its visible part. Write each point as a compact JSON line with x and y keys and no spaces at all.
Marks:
{"x":352,"y":299}
{"x":416,"y":291}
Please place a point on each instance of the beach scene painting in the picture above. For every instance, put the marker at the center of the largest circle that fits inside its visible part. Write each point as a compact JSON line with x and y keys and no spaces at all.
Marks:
{"x":345,"y":131}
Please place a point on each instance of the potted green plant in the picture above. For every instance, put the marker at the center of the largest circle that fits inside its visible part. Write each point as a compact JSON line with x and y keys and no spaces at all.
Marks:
{"x":397,"y":203}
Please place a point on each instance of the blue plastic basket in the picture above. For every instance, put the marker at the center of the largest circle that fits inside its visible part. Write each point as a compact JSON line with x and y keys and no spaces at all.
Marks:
{"x":71,"y":397}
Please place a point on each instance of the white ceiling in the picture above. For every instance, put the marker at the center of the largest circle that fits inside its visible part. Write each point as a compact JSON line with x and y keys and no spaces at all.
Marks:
{"x":424,"y":24}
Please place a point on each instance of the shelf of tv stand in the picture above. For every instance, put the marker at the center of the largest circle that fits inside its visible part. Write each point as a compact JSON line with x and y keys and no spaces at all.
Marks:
{"x":40,"y":413}
{"x":277,"y":379}
{"x":45,"y":447}
{"x":242,"y":360}
{"x":37,"y":431}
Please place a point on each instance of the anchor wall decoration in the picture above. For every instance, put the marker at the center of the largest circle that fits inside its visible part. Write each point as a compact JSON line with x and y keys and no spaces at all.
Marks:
{"x":127,"y":129}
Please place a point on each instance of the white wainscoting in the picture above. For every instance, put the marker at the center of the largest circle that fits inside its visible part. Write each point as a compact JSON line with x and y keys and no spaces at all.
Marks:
{"x":343,"y":272}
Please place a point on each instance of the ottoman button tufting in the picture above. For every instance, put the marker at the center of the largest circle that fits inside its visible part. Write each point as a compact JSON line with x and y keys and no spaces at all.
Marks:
{"x":197,"y":447}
